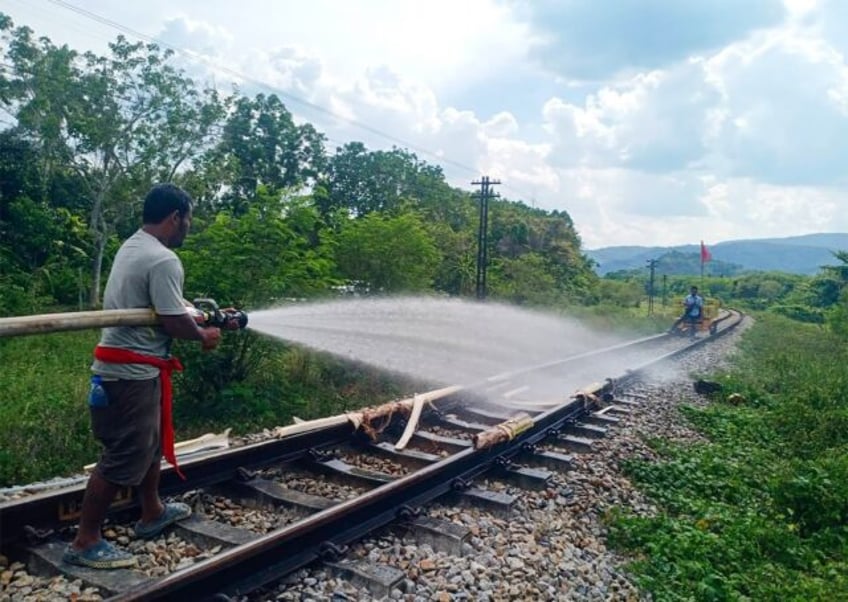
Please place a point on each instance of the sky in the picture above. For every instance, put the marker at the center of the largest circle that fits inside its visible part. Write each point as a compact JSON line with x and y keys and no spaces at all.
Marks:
{"x":651,"y":122}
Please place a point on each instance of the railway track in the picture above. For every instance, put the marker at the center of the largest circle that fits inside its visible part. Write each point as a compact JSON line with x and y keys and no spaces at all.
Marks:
{"x":318,"y":492}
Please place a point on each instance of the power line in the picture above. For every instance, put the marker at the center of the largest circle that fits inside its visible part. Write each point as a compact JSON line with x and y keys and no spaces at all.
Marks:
{"x":316,"y":107}
{"x":48,"y":13}
{"x":129,"y":99}
{"x":292,"y":97}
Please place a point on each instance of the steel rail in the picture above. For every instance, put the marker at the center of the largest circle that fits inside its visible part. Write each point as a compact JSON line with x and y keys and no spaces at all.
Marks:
{"x":325,"y":533}
{"x":55,"y":508}
{"x":240,"y":570}
{"x":733,"y":318}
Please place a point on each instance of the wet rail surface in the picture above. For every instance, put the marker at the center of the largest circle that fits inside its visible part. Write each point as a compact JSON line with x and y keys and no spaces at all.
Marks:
{"x":315,"y":493}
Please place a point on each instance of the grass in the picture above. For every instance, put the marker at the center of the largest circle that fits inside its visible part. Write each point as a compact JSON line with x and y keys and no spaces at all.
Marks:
{"x":247,"y":385}
{"x":761,"y":511}
{"x":604,"y":317}
{"x":43,"y":406}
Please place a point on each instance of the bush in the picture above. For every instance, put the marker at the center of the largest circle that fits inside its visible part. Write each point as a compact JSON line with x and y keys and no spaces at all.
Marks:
{"x":801,"y":313}
{"x":814,"y":493}
{"x":761,"y":511}
{"x":250,"y":383}
{"x":43,"y":406}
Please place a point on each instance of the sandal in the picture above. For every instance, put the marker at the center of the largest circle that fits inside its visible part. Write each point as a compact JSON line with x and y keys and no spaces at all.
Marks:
{"x":101,"y":555}
{"x":171,"y":514}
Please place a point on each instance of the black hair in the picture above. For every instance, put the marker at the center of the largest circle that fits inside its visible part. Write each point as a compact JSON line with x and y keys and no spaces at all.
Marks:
{"x":163,"y":200}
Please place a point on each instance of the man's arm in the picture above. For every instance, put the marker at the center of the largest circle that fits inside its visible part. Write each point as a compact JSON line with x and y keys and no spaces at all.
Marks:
{"x":184,"y":327}
{"x":166,"y":281}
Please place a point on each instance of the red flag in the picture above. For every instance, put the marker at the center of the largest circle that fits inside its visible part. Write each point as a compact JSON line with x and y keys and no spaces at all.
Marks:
{"x":705,"y":253}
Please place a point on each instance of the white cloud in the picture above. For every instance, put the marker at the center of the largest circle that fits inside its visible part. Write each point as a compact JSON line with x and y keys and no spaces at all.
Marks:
{"x":501,"y":125}
{"x":523,"y":168}
{"x":204,"y":38}
{"x":730,"y":208}
{"x":438,"y":44}
{"x":700,"y":119}
{"x":799,"y":9}
{"x":595,"y":40}
{"x":740,"y":113}
{"x":745,"y":208}
{"x":656,"y":121}
{"x":698,"y":149}
{"x":775,"y":128}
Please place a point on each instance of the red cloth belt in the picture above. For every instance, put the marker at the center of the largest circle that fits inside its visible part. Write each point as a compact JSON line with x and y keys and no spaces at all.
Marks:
{"x":117,"y":355}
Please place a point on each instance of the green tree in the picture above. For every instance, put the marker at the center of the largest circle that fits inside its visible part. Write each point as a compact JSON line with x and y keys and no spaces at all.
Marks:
{"x":37,"y":87}
{"x":839,"y":271}
{"x":44,"y":246}
{"x":387,"y":253}
{"x":457,"y":270}
{"x":363,"y":181}
{"x":770,"y":290}
{"x":822,"y":291}
{"x":525,"y":279}
{"x":837,"y":275}
{"x":261,"y":146}
{"x":268,"y":253}
{"x":138,"y":121}
{"x":118,"y":122}
{"x":553,"y":247}
{"x":621,"y":293}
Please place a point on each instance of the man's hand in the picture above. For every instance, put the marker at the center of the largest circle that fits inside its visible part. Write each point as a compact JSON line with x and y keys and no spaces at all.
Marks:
{"x":232,"y":323}
{"x":209,"y":338}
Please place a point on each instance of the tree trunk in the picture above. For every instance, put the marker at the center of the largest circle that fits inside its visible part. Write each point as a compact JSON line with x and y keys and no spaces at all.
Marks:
{"x":96,"y":267}
{"x":98,"y":226}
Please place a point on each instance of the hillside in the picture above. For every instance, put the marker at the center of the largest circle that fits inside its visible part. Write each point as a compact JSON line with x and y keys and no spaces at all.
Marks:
{"x":796,"y":254}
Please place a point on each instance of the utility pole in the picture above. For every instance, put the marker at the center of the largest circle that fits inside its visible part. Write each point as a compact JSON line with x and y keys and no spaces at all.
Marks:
{"x":652,"y":265}
{"x":665,"y":290}
{"x":485,"y":194}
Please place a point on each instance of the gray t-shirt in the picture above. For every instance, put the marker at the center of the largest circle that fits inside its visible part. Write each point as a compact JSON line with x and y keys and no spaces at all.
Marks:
{"x":145,"y":273}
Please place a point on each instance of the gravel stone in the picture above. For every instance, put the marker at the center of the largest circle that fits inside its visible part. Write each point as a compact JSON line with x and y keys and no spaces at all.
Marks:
{"x":552,"y":547}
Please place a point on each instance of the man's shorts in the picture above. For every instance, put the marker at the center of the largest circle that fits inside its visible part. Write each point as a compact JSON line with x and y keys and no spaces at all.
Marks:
{"x":128,"y":429}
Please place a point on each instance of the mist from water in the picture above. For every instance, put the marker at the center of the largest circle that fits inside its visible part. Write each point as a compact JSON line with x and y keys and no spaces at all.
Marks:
{"x":444,"y":341}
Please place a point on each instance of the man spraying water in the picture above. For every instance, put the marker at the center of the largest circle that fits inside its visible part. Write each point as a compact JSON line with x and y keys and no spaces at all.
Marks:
{"x":130,"y":399}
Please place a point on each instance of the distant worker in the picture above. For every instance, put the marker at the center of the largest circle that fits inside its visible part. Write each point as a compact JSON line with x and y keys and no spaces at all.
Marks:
{"x":693,"y":308}
{"x":130,"y":398}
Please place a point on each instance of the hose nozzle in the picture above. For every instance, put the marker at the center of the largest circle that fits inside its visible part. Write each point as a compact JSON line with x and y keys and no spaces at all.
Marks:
{"x":207,"y":313}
